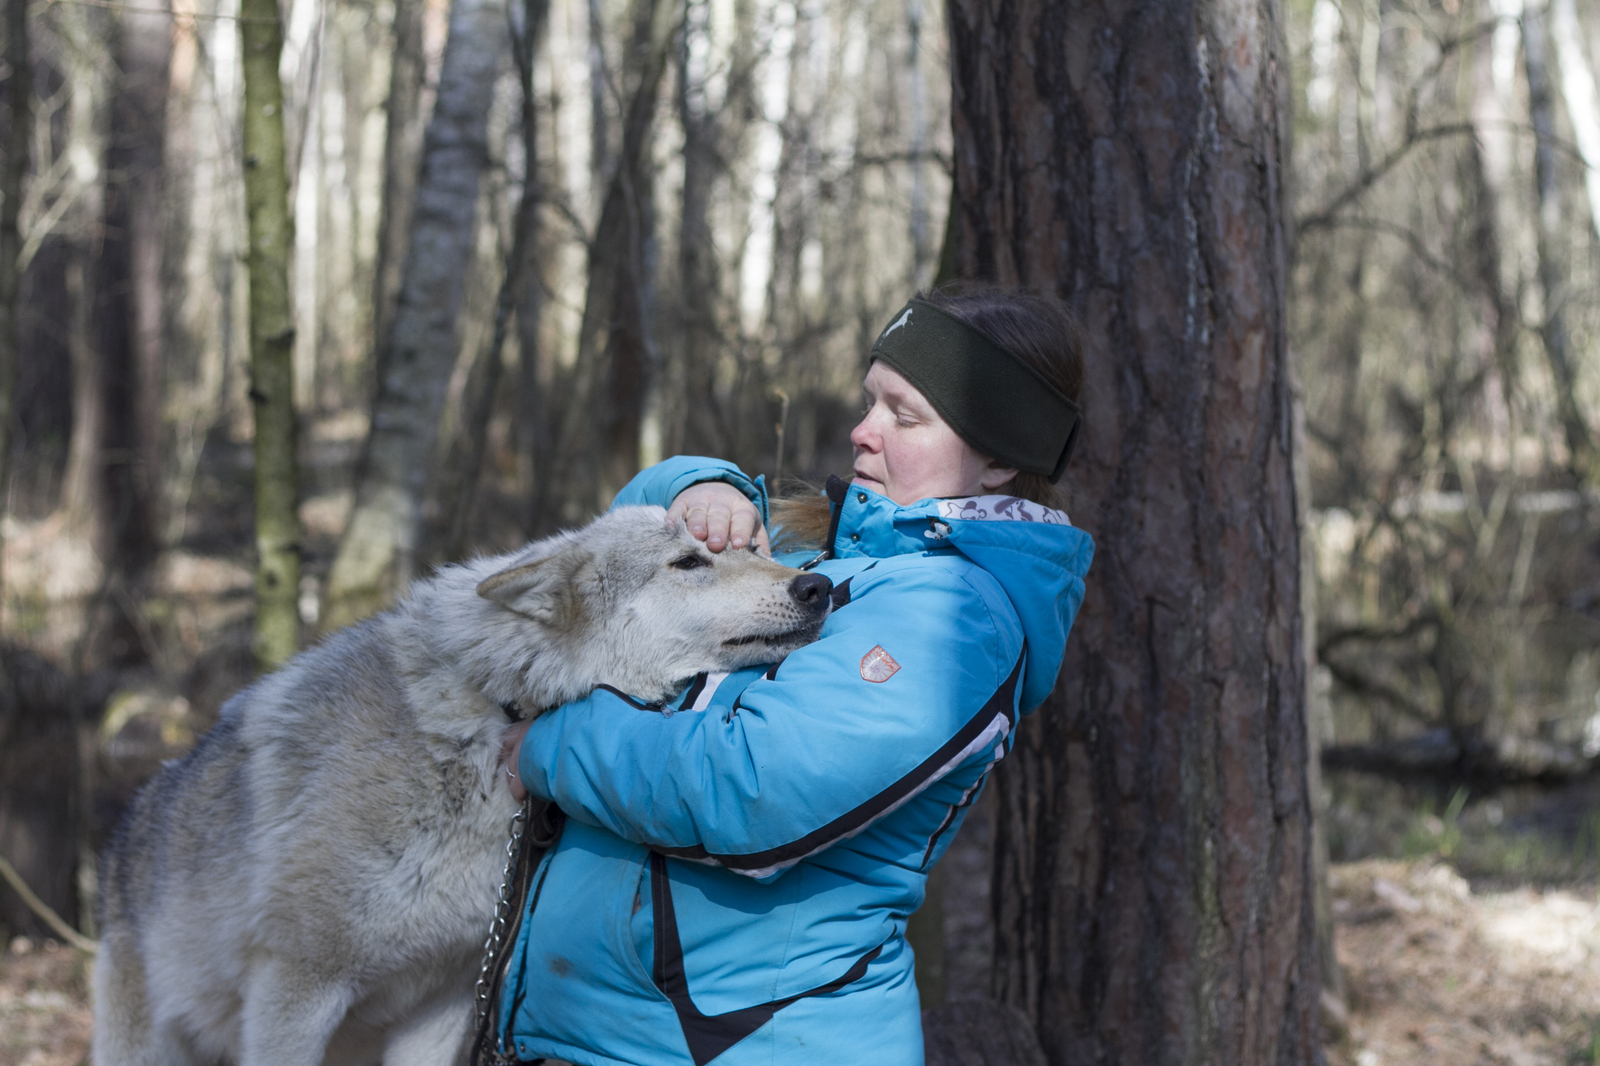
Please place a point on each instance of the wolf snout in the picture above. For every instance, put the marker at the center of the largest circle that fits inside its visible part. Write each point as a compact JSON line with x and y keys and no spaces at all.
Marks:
{"x":811,"y":591}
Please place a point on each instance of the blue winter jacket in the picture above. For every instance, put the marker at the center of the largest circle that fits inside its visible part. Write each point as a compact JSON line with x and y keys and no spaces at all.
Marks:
{"x":733,"y":882}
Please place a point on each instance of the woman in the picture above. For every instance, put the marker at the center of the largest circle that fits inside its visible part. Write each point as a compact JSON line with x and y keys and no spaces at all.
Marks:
{"x":736,"y":870}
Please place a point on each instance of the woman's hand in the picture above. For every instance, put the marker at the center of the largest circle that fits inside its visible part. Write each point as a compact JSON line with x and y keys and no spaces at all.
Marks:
{"x":510,"y":744}
{"x":720,"y":515}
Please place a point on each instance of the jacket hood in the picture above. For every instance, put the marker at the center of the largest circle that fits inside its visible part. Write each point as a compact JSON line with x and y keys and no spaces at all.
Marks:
{"x":1035,"y":554}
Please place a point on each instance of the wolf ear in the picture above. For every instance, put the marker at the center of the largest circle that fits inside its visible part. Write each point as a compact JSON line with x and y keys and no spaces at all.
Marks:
{"x":545,"y":589}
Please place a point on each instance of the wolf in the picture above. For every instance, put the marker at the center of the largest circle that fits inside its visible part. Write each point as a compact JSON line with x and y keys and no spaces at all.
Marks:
{"x":314,"y":881}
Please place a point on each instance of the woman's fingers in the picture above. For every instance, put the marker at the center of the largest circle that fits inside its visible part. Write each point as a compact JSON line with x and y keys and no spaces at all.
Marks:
{"x":718,"y":518}
{"x":695,"y":519}
{"x":742,"y":528}
{"x":720,"y":515}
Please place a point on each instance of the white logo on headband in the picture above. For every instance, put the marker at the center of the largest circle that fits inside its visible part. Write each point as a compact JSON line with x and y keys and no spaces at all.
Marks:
{"x":897,"y":323}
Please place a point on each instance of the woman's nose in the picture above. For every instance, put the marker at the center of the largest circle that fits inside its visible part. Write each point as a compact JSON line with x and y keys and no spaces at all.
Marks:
{"x":862,"y":436}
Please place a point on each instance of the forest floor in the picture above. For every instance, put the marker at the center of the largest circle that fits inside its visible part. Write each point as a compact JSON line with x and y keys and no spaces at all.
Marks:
{"x":1435,"y":973}
{"x":44,"y":1005}
{"x":1438,"y":973}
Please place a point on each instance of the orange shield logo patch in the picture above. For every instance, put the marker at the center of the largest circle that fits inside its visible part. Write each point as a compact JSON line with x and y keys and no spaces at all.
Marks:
{"x":878,"y":665}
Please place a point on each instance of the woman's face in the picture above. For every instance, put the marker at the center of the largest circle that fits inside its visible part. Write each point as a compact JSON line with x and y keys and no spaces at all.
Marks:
{"x":906,"y":452}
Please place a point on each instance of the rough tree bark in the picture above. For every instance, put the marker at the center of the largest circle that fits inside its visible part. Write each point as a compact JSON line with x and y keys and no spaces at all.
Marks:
{"x":1153,"y":851}
{"x":377,"y":555}
{"x":266,"y":183}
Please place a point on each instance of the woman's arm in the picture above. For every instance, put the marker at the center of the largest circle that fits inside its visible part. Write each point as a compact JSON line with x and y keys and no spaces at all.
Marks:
{"x":715,"y":499}
{"x":916,"y":677}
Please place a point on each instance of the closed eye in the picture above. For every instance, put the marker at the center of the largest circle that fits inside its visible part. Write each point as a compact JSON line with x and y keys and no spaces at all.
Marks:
{"x":690,"y":562}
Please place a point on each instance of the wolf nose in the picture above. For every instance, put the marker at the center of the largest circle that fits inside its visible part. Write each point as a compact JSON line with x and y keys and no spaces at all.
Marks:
{"x":810,"y":590}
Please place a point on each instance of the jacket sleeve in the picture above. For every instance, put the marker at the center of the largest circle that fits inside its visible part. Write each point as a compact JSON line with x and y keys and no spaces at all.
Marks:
{"x":814,"y":751}
{"x":660,"y":484}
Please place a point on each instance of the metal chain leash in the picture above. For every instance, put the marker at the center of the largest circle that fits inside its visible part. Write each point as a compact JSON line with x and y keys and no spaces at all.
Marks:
{"x":495,"y":944}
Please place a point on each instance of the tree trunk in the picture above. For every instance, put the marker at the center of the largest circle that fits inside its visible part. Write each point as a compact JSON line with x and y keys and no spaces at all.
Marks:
{"x":377,"y":555}
{"x":15,"y":169}
{"x":1578,"y":90}
{"x":697,"y":333}
{"x":131,"y":309}
{"x":715,"y":132}
{"x":402,"y":143}
{"x":266,"y":181}
{"x":1552,"y":239}
{"x":38,"y":787}
{"x":531,"y":427}
{"x":514,"y":298}
{"x":1154,"y":852}
{"x":82,"y":483}
{"x":630,"y":201}
{"x":613,"y":338}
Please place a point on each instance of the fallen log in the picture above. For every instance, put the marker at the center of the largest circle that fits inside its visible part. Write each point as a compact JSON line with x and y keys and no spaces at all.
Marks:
{"x":1440,"y":753}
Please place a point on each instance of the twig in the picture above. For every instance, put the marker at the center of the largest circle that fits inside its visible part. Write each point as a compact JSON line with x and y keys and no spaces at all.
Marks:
{"x":42,"y":909}
{"x":1370,"y":177}
{"x":1325,"y":217}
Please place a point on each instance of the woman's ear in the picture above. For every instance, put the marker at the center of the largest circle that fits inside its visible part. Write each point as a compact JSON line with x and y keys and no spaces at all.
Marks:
{"x":995,"y":476}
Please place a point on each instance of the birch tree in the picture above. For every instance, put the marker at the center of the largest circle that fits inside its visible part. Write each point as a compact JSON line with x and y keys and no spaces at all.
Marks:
{"x":377,"y":555}
{"x":266,"y":177}
{"x":1553,"y":266}
{"x":1153,"y":849}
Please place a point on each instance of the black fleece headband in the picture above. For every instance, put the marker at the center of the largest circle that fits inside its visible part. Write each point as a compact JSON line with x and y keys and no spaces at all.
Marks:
{"x":994,"y":401}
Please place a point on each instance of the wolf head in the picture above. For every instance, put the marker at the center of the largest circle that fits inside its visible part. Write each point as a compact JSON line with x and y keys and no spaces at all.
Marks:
{"x":633,"y":601}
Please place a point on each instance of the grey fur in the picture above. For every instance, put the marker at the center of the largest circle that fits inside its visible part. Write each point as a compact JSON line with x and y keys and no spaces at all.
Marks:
{"x":313,"y":882}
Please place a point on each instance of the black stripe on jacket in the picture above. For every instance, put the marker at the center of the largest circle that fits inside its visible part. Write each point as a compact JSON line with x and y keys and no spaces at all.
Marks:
{"x":1002,"y":702}
{"x":709,"y":1035}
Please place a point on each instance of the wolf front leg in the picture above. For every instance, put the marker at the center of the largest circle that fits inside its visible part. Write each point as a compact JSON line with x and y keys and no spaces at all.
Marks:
{"x":438,"y":1035}
{"x":125,"y":1034}
{"x":290,"y":1013}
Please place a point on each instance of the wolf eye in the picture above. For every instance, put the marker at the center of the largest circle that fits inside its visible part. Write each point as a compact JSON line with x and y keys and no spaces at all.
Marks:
{"x":689,"y":562}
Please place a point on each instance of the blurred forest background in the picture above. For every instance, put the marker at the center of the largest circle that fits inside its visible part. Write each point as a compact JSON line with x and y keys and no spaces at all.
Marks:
{"x":579,"y":237}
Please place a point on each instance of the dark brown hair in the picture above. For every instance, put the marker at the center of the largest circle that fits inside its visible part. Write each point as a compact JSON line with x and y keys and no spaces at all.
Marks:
{"x":1039,"y":330}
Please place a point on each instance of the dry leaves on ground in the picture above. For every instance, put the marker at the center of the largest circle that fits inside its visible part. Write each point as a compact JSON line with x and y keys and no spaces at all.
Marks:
{"x":1438,"y":974}
{"x":44,"y":1005}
